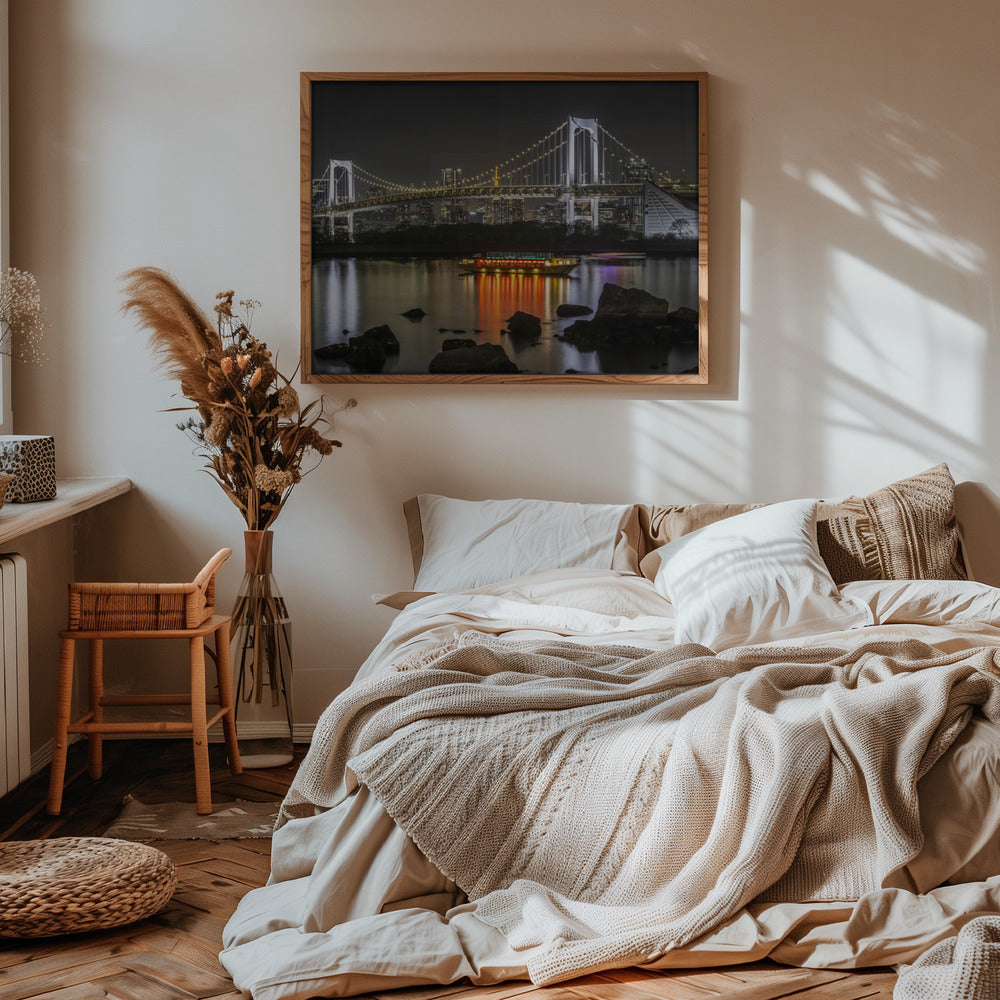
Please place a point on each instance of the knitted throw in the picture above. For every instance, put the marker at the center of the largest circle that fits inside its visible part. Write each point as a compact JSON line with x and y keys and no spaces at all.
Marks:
{"x":965,"y":967}
{"x":605,"y":805}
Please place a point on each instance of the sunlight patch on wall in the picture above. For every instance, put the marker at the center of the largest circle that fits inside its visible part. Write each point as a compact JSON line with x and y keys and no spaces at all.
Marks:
{"x":918,"y":228}
{"x":899,"y":364}
{"x":686,"y":453}
{"x":899,"y":131}
{"x":825,"y":186}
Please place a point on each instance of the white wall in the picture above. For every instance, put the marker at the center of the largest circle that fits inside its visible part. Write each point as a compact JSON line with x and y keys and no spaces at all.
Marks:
{"x":6,"y":414}
{"x":853,"y":266}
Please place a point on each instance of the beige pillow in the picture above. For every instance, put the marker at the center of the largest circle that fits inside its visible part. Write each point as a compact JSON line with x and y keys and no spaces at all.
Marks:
{"x":904,"y":531}
{"x":660,"y":524}
{"x":460,"y":544}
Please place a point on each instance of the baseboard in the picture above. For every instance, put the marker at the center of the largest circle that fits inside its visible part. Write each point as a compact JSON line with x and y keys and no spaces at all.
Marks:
{"x":301,"y":733}
{"x":43,"y":755}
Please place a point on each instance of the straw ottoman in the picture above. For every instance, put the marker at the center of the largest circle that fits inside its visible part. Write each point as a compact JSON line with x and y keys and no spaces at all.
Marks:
{"x":72,"y":884}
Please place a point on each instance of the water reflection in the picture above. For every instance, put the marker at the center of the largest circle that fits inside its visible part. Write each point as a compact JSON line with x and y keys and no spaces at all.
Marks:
{"x":351,"y":295}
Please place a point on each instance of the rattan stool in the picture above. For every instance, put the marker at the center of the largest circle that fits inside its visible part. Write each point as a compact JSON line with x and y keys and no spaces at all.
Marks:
{"x":71,"y":884}
{"x":100,"y":611}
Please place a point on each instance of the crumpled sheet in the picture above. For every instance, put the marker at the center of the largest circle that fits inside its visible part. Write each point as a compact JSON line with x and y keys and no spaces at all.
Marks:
{"x":353,"y":906}
{"x":392,"y":920}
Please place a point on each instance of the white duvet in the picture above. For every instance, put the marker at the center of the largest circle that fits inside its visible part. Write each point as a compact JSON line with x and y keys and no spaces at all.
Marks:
{"x":352,"y":906}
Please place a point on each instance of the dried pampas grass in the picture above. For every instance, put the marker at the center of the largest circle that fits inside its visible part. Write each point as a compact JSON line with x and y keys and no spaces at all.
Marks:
{"x":250,"y":427}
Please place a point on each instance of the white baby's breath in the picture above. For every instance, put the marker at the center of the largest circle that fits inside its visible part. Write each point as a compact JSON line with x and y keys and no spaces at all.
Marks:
{"x":22,"y":318}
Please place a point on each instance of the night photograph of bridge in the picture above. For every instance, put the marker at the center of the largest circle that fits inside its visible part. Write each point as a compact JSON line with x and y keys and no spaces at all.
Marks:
{"x":503,"y":228}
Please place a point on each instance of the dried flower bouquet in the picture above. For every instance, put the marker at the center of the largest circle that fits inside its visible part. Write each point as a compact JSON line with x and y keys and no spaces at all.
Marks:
{"x":250,"y":425}
{"x":257,"y":439}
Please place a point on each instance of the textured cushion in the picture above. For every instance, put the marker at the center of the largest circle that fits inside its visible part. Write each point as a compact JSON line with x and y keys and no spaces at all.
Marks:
{"x":660,"y":524}
{"x":755,"y":577}
{"x":904,"y":531}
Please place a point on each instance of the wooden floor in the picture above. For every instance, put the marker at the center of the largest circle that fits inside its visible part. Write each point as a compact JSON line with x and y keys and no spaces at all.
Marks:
{"x":173,"y":956}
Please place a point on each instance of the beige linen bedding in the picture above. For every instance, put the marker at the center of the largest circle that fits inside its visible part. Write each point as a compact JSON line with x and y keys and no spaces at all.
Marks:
{"x":610,"y":893}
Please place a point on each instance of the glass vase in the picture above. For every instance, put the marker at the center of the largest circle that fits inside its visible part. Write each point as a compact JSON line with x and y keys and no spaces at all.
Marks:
{"x":262,"y":660}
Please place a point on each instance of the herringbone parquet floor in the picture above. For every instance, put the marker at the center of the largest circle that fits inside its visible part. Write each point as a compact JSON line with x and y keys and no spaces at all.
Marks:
{"x":173,"y":956}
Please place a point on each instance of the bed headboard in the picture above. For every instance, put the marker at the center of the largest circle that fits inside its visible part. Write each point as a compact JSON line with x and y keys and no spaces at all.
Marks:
{"x":977,"y":509}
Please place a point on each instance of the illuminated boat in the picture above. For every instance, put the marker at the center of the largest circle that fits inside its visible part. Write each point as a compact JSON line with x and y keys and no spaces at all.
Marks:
{"x":542,"y":264}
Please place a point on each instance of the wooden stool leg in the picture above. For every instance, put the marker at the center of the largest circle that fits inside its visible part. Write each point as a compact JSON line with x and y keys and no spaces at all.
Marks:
{"x":199,"y":720}
{"x":224,"y":669}
{"x":95,"y":742}
{"x":64,"y":699}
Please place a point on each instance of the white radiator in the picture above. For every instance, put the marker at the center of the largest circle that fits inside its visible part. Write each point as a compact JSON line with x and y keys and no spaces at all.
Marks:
{"x":15,"y":743}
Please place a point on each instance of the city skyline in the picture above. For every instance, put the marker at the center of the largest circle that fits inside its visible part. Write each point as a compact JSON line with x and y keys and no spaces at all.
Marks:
{"x":409,"y":131}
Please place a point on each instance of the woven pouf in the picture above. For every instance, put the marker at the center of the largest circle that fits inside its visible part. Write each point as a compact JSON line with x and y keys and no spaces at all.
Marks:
{"x":73,"y":884}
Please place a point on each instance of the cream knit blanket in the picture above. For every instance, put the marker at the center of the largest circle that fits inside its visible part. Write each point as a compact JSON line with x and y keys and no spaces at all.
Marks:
{"x":965,"y":967}
{"x":605,"y":805}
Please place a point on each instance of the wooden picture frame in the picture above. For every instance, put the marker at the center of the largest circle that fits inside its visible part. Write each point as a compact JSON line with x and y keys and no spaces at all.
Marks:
{"x":504,"y":228}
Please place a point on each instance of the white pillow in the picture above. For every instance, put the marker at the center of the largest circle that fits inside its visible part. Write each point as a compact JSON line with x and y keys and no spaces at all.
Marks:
{"x":752,"y":578}
{"x":470,"y":543}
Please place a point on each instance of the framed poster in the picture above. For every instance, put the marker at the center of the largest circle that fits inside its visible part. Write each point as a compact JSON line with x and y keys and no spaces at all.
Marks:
{"x":501,"y":228}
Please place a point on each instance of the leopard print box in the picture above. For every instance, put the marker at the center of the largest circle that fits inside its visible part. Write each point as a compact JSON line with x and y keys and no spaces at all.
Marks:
{"x":31,"y":460}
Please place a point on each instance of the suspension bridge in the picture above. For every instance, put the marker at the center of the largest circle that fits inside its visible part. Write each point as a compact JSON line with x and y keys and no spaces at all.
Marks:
{"x":578,"y":175}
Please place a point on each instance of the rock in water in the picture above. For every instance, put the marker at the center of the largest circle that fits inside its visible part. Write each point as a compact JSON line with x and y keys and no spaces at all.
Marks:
{"x":456,"y":343}
{"x":366,"y":353}
{"x":633,"y":302}
{"x":683,"y":323}
{"x":683,"y":315}
{"x":332,"y":352}
{"x":565,"y":309}
{"x":628,"y":318}
{"x":582,"y":334}
{"x":415,"y":313}
{"x":480,"y":359}
{"x":523,"y":324}
{"x":383,"y":336}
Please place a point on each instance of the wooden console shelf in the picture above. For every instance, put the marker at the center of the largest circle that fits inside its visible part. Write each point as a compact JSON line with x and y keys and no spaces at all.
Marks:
{"x":72,"y":497}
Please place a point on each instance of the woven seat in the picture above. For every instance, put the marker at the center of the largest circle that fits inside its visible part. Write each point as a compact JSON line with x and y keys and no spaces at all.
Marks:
{"x":73,"y":884}
{"x":100,"y":611}
{"x":118,"y":606}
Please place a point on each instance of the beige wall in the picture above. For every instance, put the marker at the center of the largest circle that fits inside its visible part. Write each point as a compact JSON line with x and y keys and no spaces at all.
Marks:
{"x":854,"y":220}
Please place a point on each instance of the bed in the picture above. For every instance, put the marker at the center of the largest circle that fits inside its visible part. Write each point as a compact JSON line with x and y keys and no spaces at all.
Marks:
{"x":601,"y":736}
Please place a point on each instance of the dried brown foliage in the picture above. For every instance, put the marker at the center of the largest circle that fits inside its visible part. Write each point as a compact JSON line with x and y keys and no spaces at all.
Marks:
{"x":250,"y":427}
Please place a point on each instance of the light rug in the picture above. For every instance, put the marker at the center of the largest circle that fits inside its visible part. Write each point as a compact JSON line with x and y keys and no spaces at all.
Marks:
{"x":179,"y":821}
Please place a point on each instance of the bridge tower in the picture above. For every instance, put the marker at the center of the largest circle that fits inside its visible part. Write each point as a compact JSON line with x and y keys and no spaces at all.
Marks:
{"x":341,"y":190}
{"x":341,"y":171}
{"x":583,"y":164}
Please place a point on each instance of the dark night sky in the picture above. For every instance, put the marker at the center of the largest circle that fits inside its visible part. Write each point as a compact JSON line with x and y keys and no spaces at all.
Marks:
{"x":407,"y":131}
